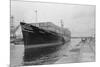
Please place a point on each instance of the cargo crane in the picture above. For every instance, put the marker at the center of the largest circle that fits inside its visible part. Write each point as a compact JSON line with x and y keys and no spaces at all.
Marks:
{"x":13,"y":30}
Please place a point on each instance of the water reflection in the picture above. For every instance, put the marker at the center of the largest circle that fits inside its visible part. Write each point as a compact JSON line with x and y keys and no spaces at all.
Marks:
{"x":71,"y":52}
{"x":63,"y":51}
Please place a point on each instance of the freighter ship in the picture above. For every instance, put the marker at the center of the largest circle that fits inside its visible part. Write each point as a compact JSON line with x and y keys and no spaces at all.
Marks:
{"x":39,"y":42}
{"x":33,"y":35}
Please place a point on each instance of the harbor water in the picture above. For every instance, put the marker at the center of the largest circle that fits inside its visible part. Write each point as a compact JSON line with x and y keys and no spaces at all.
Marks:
{"x":73,"y":51}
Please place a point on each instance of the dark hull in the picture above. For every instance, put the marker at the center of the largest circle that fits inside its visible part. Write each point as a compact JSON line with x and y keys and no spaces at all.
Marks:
{"x":33,"y":35}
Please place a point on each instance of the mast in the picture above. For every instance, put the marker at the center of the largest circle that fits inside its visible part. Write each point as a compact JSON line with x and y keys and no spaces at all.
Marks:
{"x":36,"y":19}
{"x":62,"y":26}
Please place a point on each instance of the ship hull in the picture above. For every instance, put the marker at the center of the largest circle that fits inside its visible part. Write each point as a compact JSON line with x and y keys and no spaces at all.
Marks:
{"x":33,"y":35}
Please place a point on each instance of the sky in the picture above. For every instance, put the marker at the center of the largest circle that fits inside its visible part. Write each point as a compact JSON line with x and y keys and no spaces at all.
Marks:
{"x":79,"y":19}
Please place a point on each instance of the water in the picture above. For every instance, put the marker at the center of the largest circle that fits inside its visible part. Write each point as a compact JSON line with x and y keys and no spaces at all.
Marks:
{"x":16,"y":55}
{"x":57,"y":56}
{"x":77,"y":51}
{"x":71,"y":52}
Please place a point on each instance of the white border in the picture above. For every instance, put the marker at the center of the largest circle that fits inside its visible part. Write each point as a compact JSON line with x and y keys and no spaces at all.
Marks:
{"x":4,"y":33}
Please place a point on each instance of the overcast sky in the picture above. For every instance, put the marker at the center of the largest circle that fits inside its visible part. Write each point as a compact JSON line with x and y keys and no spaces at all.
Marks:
{"x":79,"y":19}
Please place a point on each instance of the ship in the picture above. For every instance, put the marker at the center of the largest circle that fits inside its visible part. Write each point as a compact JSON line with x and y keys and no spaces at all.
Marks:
{"x":39,"y":42}
{"x":33,"y":35}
